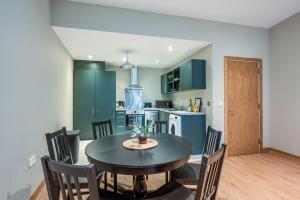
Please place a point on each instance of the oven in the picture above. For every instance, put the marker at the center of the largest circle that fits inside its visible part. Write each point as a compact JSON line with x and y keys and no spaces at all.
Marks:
{"x":134,"y":117}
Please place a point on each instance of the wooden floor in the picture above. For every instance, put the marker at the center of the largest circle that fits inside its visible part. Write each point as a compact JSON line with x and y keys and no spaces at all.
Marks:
{"x":253,"y":177}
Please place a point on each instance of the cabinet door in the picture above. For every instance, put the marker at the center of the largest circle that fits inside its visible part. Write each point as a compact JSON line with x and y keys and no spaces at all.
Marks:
{"x":186,"y":76}
{"x":105,"y":95}
{"x":120,"y":122}
{"x":198,"y":74}
{"x":84,"y":102}
{"x":164,"y":84}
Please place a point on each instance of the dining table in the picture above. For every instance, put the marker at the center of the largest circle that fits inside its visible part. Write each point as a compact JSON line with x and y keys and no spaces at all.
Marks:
{"x":108,"y":154}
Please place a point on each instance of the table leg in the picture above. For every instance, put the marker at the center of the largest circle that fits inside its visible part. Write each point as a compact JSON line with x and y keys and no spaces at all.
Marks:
{"x":140,"y":187}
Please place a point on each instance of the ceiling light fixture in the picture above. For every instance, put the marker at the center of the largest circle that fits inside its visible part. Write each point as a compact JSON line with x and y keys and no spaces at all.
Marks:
{"x":156,"y":61}
{"x":126,"y":64}
{"x":90,"y":57}
{"x":170,"y":48}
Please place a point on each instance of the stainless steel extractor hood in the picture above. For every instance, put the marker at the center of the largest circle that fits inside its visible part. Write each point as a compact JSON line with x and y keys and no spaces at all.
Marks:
{"x":134,"y":79}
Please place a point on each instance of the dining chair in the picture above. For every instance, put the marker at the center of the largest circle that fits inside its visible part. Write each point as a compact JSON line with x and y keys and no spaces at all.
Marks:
{"x":72,"y":175}
{"x":59,"y":150}
{"x":102,"y":129}
{"x":160,"y":127}
{"x":58,"y":146}
{"x":207,"y":184}
{"x":188,"y":174}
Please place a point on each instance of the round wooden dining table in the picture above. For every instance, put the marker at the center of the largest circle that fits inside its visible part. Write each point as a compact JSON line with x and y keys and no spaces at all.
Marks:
{"x":108,"y":154}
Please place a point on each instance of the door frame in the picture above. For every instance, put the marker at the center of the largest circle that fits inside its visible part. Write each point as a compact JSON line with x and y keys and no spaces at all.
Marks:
{"x":260,"y":85}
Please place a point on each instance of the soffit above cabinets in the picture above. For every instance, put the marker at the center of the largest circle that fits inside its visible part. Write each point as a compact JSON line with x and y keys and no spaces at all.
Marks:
{"x":144,"y":51}
{"x":258,"y":13}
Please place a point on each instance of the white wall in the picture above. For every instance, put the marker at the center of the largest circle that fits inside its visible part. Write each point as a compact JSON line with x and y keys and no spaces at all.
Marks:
{"x":36,"y":92}
{"x":284,"y":85}
{"x":227,"y":39}
{"x":148,"y":78}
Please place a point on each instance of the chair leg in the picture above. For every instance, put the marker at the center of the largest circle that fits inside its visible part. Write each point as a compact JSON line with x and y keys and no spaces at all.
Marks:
{"x":115,"y":183}
{"x":105,"y":180}
{"x":167,"y":177}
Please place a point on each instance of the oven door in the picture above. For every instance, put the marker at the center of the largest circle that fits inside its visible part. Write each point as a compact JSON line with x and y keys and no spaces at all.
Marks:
{"x":134,"y":119}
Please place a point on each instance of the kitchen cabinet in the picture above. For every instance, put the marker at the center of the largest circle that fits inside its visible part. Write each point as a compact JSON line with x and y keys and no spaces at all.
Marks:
{"x":120,"y":122}
{"x":164,"y":84}
{"x":193,"y":75}
{"x":193,"y":129}
{"x":163,"y":116}
{"x":94,"y":94}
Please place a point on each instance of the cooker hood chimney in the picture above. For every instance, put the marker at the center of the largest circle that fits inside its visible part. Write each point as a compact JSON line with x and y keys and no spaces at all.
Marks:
{"x":134,"y":79}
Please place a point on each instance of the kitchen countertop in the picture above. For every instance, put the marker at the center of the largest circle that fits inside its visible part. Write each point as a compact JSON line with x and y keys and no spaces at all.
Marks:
{"x":175,"y":112}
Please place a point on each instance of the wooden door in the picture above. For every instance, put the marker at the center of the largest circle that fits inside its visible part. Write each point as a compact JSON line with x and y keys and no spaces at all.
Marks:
{"x":243,"y":114}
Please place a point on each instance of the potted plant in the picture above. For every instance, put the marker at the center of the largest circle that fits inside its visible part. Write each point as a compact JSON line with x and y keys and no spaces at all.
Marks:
{"x":141,"y":132}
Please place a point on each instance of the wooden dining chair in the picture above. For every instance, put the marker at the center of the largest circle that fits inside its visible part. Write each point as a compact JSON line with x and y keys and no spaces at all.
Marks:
{"x":72,"y":174}
{"x":58,"y":146}
{"x":102,"y":129}
{"x":207,"y":184}
{"x":160,"y":127}
{"x":59,"y":150}
{"x":188,"y":174}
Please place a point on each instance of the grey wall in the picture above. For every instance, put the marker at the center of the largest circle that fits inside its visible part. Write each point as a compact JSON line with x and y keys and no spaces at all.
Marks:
{"x":284,"y":85}
{"x":36,"y":92}
{"x":227,"y":39}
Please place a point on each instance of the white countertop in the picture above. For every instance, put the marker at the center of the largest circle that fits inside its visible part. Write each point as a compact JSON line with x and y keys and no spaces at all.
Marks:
{"x":175,"y":112}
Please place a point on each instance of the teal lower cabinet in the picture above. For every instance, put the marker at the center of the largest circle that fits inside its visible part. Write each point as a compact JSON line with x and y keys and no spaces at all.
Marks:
{"x":94,"y":94}
{"x":120,"y":122}
{"x":193,"y":128}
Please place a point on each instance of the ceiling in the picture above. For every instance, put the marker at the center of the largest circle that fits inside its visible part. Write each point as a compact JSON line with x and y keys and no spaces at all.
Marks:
{"x":144,"y":51}
{"x":259,"y":13}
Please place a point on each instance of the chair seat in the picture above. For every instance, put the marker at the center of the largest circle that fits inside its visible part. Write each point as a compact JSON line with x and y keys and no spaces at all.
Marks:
{"x":188,"y":174}
{"x":83,"y":181}
{"x":108,"y":195}
{"x":172,"y":190}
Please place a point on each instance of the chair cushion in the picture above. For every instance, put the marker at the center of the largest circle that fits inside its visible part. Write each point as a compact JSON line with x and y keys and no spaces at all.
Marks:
{"x":187,"y":174}
{"x":172,"y":190}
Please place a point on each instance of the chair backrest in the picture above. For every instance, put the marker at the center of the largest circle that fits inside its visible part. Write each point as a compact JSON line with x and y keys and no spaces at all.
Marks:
{"x":102,"y":129}
{"x":212,"y":141}
{"x":68,"y":179}
{"x":210,"y":171}
{"x":58,"y":146}
{"x":160,"y":126}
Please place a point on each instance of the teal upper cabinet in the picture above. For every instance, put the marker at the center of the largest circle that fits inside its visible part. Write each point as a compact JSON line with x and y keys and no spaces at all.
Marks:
{"x":193,"y":75}
{"x":94,"y":95}
{"x":164,"y":84}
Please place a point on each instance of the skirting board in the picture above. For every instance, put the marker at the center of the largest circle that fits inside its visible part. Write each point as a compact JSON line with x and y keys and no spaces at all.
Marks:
{"x":37,"y":191}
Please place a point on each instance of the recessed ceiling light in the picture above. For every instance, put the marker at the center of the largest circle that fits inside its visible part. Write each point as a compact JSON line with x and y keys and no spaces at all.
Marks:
{"x":90,"y":57}
{"x":170,"y":48}
{"x":156,"y":61}
{"x":124,"y":59}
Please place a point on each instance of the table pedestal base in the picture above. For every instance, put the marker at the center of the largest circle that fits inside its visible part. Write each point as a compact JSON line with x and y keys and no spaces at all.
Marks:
{"x":140,"y":187}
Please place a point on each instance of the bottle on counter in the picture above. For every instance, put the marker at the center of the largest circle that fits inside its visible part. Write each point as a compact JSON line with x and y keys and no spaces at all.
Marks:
{"x":190,"y":106}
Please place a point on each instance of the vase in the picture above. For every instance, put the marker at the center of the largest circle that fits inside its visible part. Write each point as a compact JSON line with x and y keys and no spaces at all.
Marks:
{"x":142,"y":139}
